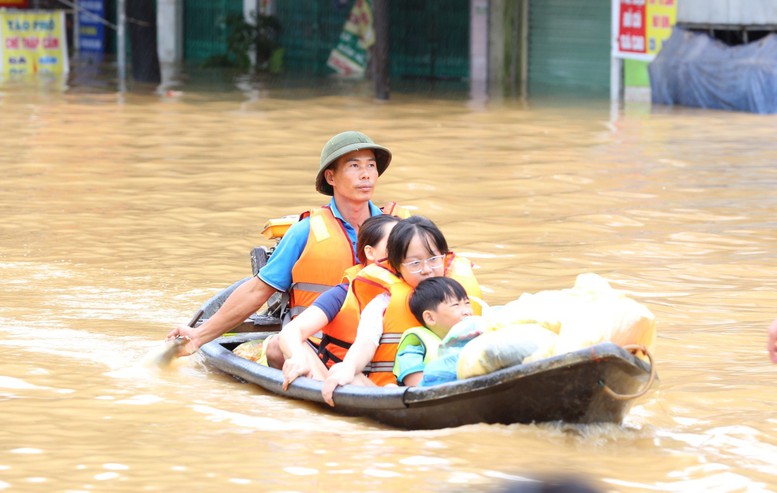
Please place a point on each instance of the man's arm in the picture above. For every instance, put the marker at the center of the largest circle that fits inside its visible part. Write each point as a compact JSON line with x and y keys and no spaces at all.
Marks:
{"x":252,"y":294}
{"x":243,"y":302}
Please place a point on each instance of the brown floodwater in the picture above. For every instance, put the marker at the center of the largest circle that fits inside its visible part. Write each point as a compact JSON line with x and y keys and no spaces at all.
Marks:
{"x":122,"y":213}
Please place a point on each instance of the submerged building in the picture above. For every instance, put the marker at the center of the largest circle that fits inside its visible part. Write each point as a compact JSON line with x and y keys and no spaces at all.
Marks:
{"x":494,"y":48}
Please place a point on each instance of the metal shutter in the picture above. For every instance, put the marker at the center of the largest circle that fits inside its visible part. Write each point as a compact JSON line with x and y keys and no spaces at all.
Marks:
{"x":204,"y":24}
{"x":569,"y":47}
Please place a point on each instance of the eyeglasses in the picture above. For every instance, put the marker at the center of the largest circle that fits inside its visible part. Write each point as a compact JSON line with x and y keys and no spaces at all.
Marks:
{"x":416,"y":266}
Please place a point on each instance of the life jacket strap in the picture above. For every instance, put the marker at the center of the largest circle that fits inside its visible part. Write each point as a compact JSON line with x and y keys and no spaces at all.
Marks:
{"x":379,"y":366}
{"x":390,"y":338}
{"x":296,"y":310}
{"x":325,"y":354}
{"x":311,"y":287}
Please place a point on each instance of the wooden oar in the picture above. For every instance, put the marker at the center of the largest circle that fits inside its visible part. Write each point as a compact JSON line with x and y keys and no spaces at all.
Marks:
{"x":170,"y":352}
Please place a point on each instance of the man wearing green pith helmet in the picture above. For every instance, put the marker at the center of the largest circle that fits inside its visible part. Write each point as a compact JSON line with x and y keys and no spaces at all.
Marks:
{"x":314,"y":252}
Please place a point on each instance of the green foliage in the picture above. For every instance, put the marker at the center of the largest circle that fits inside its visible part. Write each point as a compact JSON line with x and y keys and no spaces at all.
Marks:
{"x":259,"y":34}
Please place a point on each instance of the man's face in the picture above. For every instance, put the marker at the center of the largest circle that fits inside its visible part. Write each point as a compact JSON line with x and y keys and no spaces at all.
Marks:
{"x":354,"y":175}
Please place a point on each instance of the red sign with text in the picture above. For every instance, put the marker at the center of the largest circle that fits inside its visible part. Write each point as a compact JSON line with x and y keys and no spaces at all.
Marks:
{"x":643,"y":25}
{"x":631,"y":32}
{"x":14,"y":4}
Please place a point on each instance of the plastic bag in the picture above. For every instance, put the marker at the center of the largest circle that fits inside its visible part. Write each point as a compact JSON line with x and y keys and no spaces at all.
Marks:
{"x":440,"y":370}
{"x":497,"y":349}
{"x":593,"y":312}
{"x":443,"y":368}
{"x":460,"y":334}
{"x":254,"y":350}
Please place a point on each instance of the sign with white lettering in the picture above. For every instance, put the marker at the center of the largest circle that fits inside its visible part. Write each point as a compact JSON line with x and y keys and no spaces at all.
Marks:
{"x":91,"y":31}
{"x":643,"y":25}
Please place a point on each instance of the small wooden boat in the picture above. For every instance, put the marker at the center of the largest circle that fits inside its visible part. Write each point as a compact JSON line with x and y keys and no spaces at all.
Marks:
{"x":593,"y":385}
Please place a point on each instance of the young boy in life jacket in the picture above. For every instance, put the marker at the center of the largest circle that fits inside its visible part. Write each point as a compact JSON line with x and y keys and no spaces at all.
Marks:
{"x":438,"y":303}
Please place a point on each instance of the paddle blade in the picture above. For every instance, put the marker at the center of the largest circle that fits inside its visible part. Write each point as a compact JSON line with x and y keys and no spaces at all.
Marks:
{"x":166,"y":354}
{"x":172,"y":349}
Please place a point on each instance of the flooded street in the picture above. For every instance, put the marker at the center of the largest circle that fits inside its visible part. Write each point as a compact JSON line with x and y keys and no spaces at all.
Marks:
{"x":122,"y":213}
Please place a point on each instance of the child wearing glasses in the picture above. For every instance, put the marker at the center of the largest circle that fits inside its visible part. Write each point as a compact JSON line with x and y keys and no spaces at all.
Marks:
{"x":417,"y":250}
{"x":438,"y":303}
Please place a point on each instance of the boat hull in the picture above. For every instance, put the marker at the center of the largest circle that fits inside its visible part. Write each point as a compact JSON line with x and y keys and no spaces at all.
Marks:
{"x":593,"y":385}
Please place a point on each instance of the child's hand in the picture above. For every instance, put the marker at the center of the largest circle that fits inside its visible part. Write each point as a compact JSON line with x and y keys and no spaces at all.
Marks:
{"x":339,"y":374}
{"x":413,"y":380}
{"x":296,"y":366}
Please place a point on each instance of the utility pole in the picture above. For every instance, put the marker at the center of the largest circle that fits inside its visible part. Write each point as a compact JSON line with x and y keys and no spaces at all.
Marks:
{"x":141,"y":15}
{"x":121,"y":44}
{"x":380,"y":59}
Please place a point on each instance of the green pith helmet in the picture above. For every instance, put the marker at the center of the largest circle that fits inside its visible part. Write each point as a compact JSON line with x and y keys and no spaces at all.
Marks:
{"x":340,"y":145}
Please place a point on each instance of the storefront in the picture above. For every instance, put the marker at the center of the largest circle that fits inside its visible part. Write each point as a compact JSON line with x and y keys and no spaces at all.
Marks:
{"x":569,"y":47}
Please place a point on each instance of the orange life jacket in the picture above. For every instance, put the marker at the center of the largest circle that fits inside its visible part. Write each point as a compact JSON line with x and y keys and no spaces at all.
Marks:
{"x":394,"y":209}
{"x":381,"y":278}
{"x":340,"y":332}
{"x":327,"y":254}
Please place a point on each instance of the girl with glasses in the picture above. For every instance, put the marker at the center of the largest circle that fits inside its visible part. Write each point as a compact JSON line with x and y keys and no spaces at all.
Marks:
{"x":417,"y":250}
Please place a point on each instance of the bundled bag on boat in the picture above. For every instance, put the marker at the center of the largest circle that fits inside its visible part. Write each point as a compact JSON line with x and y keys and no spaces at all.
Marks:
{"x":502,"y":347}
{"x":461,"y":334}
{"x":440,"y":370}
{"x":593,"y":312}
{"x":552,"y":322}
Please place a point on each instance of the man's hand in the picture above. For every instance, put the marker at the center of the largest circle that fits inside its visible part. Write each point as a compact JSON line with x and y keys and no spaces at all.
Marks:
{"x":188,"y":334}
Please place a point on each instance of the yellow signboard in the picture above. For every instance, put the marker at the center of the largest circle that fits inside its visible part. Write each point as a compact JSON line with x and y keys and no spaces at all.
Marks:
{"x":32,"y":42}
{"x":661,"y":16}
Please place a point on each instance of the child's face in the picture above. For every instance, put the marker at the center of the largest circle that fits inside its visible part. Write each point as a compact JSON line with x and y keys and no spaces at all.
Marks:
{"x":430,"y":264}
{"x":378,"y":251}
{"x":447,"y":314}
